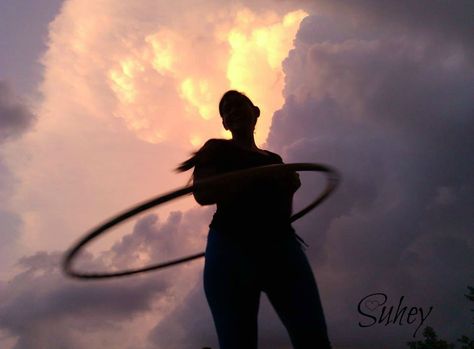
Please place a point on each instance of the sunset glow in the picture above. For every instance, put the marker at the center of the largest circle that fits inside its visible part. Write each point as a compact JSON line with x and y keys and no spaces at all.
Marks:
{"x":197,"y":94}
{"x":249,"y":50}
{"x":265,"y":45}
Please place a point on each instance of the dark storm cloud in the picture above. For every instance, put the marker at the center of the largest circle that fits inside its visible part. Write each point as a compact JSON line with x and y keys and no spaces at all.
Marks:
{"x":15,"y":117}
{"x":42,"y":308}
{"x":447,"y":22}
{"x":394,"y":113}
{"x":189,"y":326}
{"x":9,"y":221}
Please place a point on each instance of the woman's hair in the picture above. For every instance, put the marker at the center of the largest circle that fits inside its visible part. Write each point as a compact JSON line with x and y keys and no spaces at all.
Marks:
{"x":234,"y":94}
{"x":188,"y":164}
{"x":191,"y":162}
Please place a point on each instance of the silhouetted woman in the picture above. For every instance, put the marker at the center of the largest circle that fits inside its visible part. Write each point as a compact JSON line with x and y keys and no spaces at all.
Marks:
{"x":251,"y":245}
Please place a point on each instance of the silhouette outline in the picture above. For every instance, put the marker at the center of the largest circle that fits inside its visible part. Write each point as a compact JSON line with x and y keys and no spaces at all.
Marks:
{"x":251,"y":246}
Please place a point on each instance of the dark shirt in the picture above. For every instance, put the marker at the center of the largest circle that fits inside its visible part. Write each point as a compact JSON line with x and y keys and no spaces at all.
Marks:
{"x":261,"y":210}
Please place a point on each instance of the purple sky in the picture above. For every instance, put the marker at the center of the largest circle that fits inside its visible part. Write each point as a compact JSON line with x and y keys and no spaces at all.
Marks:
{"x":24,"y":28}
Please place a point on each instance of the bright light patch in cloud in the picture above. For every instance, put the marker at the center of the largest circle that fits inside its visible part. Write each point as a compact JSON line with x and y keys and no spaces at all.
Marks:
{"x":163,"y":45}
{"x":197,"y":94}
{"x":122,"y":79}
{"x":264,"y":43}
{"x":168,"y":80}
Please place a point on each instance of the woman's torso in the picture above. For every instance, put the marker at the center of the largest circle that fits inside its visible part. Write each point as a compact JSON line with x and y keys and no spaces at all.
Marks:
{"x":260,"y":211}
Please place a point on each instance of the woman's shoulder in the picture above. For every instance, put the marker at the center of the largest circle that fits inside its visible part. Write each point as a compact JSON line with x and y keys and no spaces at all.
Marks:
{"x":214,"y":145}
{"x":274,"y":155}
{"x":212,"y":150}
{"x":215,"y":142}
{"x":218,"y":146}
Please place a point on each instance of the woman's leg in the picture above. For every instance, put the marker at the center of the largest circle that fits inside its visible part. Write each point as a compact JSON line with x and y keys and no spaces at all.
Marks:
{"x":292,"y":290}
{"x":232,"y":293}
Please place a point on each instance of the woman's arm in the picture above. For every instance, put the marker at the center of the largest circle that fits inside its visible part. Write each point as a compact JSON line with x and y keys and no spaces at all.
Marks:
{"x":290,"y":181}
{"x":224,"y":189}
{"x":287,"y":181}
{"x":204,"y":196}
{"x":206,"y":166}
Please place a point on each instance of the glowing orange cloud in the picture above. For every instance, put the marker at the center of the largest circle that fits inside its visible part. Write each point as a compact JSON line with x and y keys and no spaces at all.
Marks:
{"x":244,"y":53}
{"x":258,"y":47}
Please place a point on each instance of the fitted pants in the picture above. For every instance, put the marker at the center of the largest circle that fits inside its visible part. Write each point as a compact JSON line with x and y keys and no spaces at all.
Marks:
{"x":234,"y":276}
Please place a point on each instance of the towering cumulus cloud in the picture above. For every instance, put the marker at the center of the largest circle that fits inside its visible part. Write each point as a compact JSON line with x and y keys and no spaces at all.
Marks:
{"x":161,"y":68}
{"x":386,"y":97}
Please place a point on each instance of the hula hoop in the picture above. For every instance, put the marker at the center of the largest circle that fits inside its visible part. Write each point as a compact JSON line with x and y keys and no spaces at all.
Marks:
{"x":332,"y":182}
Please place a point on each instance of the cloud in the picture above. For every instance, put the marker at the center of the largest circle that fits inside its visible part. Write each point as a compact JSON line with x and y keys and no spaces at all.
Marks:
{"x":443,"y":23}
{"x":42,"y":308}
{"x":162,"y":75}
{"x":392,"y":112}
{"x":188,"y":326}
{"x":15,"y":116}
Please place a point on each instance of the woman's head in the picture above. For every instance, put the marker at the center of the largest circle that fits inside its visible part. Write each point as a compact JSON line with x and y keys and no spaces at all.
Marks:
{"x":237,"y":111}
{"x":233,"y":96}
{"x":239,"y":115}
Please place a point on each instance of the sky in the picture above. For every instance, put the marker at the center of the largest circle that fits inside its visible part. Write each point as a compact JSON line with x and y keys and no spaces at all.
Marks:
{"x":99,"y":101}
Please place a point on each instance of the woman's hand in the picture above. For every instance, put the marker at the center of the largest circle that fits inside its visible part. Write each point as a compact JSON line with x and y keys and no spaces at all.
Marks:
{"x":288,"y":181}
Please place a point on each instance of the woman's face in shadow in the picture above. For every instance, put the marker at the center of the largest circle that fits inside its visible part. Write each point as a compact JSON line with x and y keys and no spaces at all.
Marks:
{"x":238,"y":116}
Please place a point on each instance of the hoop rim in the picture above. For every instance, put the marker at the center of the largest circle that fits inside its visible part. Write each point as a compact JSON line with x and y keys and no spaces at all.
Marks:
{"x":332,"y":177}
